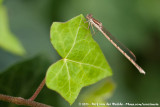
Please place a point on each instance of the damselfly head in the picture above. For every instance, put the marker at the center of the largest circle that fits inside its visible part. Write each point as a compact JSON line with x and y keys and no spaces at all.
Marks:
{"x":89,"y":16}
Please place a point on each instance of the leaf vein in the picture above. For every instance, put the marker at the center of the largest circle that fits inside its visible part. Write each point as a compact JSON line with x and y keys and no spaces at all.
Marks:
{"x":86,"y":64}
{"x":74,"y":39}
{"x":68,"y":80}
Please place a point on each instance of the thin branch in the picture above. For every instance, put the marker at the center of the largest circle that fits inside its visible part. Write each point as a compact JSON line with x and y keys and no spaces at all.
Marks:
{"x":21,"y":101}
{"x":38,"y":90}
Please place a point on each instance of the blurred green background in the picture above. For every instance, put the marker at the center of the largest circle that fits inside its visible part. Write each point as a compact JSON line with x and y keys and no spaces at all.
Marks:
{"x":136,"y":23}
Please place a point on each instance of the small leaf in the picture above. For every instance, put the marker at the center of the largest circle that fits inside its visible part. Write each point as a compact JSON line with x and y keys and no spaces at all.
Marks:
{"x":98,"y":94}
{"x":7,"y":40}
{"x":82,"y":63}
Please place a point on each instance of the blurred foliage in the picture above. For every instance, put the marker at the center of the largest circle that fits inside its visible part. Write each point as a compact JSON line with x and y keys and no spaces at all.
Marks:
{"x":135,"y":23}
{"x":7,"y":40}
{"x":23,"y":78}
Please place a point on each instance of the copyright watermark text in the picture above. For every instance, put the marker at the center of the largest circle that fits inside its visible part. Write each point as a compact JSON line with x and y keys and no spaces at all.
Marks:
{"x":118,"y":104}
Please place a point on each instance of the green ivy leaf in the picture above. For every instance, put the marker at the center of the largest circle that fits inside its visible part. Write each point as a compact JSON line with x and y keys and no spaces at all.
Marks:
{"x":7,"y":40}
{"x":82,"y":63}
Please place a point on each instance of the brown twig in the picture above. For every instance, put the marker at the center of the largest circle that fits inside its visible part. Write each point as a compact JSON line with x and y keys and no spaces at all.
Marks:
{"x":38,"y":90}
{"x":22,"y":101}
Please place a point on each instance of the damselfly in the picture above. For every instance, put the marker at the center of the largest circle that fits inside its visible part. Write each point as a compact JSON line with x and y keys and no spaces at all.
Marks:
{"x":125,"y":51}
